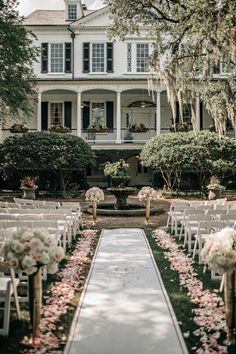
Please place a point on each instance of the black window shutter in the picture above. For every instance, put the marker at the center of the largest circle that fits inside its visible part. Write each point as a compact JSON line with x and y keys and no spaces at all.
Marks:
{"x":110,"y":57}
{"x":86,"y":65}
{"x":201,"y":115}
{"x":67,"y":114}
{"x":44,"y":57}
{"x":68,"y":57}
{"x":177,"y":118}
{"x":44,"y":115}
{"x":109,"y":115}
{"x":86,"y":115}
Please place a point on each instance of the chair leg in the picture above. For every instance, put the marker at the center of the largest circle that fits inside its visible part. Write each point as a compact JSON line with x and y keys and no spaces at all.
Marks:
{"x":195,"y":247}
{"x":7,"y":307}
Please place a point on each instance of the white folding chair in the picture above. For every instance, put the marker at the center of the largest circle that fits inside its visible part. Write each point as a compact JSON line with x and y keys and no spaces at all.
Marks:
{"x":205,"y":228}
{"x":191,"y":228}
{"x":13,"y":205}
{"x":8,"y":216}
{"x":63,"y":225}
{"x":8,"y":288}
{"x":175,"y":213}
{"x":185,"y":220}
{"x":51,"y":226}
{"x":4,"y":210}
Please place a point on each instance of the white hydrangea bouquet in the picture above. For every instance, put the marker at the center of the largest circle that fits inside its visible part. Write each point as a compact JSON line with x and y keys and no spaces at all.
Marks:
{"x":147,"y":193}
{"x":28,"y":250}
{"x":219,"y":251}
{"x":94,"y":194}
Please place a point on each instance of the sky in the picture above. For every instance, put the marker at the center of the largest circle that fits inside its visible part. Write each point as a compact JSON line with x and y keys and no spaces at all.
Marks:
{"x":28,"y":6}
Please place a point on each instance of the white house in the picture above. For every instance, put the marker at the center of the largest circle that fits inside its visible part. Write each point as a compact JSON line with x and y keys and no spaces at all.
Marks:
{"x":98,"y":88}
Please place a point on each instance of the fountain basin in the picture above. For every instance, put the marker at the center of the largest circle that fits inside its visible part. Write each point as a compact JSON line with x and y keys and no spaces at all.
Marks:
{"x":131,"y":210}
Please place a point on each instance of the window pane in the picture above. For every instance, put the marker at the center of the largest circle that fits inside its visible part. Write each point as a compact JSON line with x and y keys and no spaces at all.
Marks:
{"x":56,"y":57}
{"x":142,"y":57}
{"x":72,"y":12}
{"x":98,"y":57}
{"x":98,"y":119}
{"x":56,"y":113}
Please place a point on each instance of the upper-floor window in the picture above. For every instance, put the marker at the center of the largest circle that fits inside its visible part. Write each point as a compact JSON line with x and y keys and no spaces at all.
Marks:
{"x":98,"y":57}
{"x":72,"y":11}
{"x":56,"y":57}
{"x":142,"y":55}
{"x":137,"y":57}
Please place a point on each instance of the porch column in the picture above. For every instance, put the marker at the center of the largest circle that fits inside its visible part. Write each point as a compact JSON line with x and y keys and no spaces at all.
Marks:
{"x":39,"y":122}
{"x":198,"y":125}
{"x":118,"y":119}
{"x":79,"y":117}
{"x":158,"y":113}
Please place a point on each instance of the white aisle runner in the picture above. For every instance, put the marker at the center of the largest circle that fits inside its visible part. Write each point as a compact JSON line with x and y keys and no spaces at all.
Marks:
{"x":124,"y":308}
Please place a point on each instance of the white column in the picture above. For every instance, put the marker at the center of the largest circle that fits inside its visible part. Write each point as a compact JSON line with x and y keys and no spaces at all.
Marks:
{"x":198,"y":112}
{"x":79,"y":116}
{"x":158,"y":113}
{"x":118,"y":119}
{"x":39,"y":124}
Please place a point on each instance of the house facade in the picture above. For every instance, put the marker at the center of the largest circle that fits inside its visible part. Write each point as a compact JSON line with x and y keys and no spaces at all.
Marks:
{"x":98,"y":88}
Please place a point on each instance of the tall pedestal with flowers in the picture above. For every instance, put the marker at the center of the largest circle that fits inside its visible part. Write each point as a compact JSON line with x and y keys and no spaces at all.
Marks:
{"x":147,"y":194}
{"x":94,"y":195}
{"x":27,"y":251}
{"x":219,"y":253}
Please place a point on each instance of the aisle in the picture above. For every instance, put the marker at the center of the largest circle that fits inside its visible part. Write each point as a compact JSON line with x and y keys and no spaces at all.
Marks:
{"x":124,"y":308}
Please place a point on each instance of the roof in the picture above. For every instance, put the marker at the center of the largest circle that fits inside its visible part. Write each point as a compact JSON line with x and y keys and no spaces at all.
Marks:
{"x":50,"y":17}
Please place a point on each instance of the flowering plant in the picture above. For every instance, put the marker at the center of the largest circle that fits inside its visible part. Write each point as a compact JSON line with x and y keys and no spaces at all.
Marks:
{"x":28,"y":250}
{"x":147,"y":193}
{"x":215,"y":184}
{"x":94,"y":194}
{"x":219,"y":251}
{"x":116,"y":169}
{"x":59,"y":129}
{"x":29,"y":182}
{"x":18,"y":128}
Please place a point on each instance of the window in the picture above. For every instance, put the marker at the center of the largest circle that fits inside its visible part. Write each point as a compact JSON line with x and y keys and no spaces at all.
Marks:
{"x":57,"y":57}
{"x":98,"y":115}
{"x":56,"y":113}
{"x":98,"y":57}
{"x":72,"y":12}
{"x":142,"y":55}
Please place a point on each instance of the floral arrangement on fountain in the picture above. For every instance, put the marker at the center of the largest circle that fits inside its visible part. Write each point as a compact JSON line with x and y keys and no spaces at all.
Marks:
{"x":118,"y":173}
{"x":94,"y":195}
{"x":28,"y":250}
{"x":215,"y":184}
{"x":29,"y":182}
{"x":147,"y":194}
{"x":219,"y":251}
{"x":138,"y":128}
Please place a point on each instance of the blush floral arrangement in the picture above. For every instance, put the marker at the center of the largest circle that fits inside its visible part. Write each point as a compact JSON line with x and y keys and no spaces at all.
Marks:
{"x":219,"y":251}
{"x":29,"y":182}
{"x":28,"y":250}
{"x":215,"y":184}
{"x":94,"y":195}
{"x":147,"y":194}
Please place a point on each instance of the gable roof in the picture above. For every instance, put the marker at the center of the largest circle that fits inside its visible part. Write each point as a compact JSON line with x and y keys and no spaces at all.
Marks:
{"x":90,"y":17}
{"x":50,"y":17}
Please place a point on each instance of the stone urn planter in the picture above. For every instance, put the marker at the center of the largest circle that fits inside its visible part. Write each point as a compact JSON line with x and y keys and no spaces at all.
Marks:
{"x":29,"y":193}
{"x":214,"y":194}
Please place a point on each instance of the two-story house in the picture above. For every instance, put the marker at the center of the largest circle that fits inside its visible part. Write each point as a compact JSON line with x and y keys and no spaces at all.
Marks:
{"x":98,"y":88}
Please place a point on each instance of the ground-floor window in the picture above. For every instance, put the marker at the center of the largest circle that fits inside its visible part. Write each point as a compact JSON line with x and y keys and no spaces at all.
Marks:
{"x":56,"y":113}
{"x":98,"y":114}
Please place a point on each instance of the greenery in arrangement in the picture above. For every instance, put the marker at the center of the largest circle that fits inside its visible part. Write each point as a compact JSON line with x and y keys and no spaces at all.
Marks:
{"x":59,"y":129}
{"x":186,"y":48}
{"x":138,"y":128}
{"x":204,"y":153}
{"x":17,"y":55}
{"x":18,"y":128}
{"x":215,"y":184}
{"x":37,"y":153}
{"x":116,"y":169}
